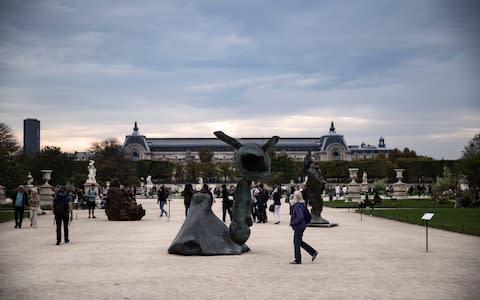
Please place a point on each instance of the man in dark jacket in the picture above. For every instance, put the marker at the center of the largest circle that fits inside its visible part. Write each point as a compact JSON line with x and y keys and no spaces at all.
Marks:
{"x":262,"y":204}
{"x":298,"y":222}
{"x":226,"y":203}
{"x":21,"y":199}
{"x":62,"y":208}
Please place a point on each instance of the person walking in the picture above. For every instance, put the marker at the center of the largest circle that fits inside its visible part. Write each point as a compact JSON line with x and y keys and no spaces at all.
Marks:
{"x":206,"y":189}
{"x":162,"y":199}
{"x":299,"y":220}
{"x":187,"y":196}
{"x":92,"y":201}
{"x":276,"y":195}
{"x":21,"y":200}
{"x":34,"y":205}
{"x":62,"y":209}
{"x":226,"y":203}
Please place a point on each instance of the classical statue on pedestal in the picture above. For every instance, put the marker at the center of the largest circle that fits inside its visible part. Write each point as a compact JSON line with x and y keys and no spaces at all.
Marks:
{"x":314,"y":186}
{"x":92,"y":172}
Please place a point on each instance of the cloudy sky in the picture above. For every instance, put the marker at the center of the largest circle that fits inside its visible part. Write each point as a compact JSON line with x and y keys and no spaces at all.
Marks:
{"x":405,"y":70}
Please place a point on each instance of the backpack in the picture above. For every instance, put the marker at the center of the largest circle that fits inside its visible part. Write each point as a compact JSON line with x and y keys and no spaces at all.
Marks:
{"x":61,"y":204}
{"x":307,"y":215}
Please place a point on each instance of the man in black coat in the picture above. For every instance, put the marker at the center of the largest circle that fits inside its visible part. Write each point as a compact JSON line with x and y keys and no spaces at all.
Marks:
{"x":62,"y":209}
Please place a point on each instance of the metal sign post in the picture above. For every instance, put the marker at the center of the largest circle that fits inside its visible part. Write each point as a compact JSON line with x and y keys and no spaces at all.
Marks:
{"x":168,"y":218}
{"x":427,"y":217}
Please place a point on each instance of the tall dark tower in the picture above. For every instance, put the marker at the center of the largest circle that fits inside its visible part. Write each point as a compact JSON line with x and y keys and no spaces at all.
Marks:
{"x":31,"y":136}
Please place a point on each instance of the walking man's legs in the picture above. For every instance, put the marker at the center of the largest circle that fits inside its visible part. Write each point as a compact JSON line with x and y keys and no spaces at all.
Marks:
{"x":58,"y":221}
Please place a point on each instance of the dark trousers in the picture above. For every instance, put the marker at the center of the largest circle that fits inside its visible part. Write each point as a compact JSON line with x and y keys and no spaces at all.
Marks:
{"x":18,"y":213}
{"x":59,"y":219}
{"x":262,"y":212}
{"x":298,"y":242}
{"x":226,"y":207}
{"x":254,"y":211}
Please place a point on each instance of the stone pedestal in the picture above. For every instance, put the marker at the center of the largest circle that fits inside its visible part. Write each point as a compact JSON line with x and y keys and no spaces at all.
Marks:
{"x":353,"y":192}
{"x":45,"y":190}
{"x":353,"y":186}
{"x":88,"y":185}
{"x":399,"y":188}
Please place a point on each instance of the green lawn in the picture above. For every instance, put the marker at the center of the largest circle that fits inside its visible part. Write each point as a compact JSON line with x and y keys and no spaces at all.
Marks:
{"x":388,"y":203}
{"x":6,"y":216}
{"x":464,"y":220}
{"x":6,"y":213}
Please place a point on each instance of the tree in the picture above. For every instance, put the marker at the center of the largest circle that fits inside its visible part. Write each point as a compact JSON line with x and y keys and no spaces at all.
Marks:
{"x":9,"y":146}
{"x":442,"y":190}
{"x":51,"y":158}
{"x":10,"y":171}
{"x":178,"y":172}
{"x":284,"y":169}
{"x":205,"y":154}
{"x":472,"y":149}
{"x":191,"y":171}
{"x":112,"y":163}
{"x":226,"y":169}
{"x":396,"y":154}
{"x":469,"y":165}
{"x":207,"y":171}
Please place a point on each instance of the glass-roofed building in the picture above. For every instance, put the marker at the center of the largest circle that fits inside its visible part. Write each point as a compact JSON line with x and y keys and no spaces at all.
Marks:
{"x":331,"y":146}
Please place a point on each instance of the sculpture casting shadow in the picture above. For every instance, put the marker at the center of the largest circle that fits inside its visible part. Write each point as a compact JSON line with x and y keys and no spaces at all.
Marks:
{"x":203,"y":233}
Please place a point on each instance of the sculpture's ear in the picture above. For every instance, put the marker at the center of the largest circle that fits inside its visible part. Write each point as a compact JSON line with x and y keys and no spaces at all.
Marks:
{"x":271,"y":142}
{"x":227,"y":139}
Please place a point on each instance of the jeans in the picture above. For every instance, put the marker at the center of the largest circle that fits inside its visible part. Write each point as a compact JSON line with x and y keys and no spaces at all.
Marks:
{"x":162,"y":204}
{"x":298,"y":242}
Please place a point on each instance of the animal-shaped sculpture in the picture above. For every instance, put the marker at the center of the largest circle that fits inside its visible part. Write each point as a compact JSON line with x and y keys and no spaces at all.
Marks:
{"x":203,"y":233}
{"x":253,"y":163}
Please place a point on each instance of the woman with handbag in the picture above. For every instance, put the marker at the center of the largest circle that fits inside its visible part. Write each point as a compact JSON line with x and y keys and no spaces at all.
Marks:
{"x":298,"y":221}
{"x":276,"y":195}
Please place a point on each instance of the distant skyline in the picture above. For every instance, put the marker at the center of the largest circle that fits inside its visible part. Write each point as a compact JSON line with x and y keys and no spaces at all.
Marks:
{"x":408,"y":71}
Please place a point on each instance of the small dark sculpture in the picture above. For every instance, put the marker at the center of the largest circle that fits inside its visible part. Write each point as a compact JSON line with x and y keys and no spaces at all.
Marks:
{"x":313,"y":191}
{"x":121,"y":206}
{"x":203,"y":233}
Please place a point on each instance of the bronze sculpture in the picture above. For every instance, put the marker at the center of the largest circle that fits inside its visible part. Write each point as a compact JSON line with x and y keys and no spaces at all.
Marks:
{"x":203,"y":233}
{"x":121,"y":206}
{"x":312,"y":193}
